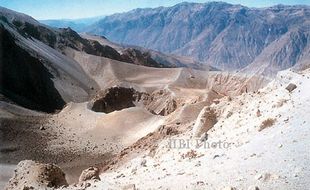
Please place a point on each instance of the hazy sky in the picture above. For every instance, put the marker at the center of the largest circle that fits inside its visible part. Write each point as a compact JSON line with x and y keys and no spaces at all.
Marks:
{"x":56,"y":9}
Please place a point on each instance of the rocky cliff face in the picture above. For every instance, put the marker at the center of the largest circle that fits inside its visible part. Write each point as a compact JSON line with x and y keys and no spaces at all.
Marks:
{"x":226,"y":36}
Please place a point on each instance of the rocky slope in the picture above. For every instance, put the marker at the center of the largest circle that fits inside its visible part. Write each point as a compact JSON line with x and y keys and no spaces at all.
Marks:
{"x":229,"y":37}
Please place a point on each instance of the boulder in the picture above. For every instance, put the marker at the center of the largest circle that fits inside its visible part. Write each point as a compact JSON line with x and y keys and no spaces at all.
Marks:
{"x":89,"y":174}
{"x":36,"y":175}
{"x":129,"y":187}
{"x":205,"y":121}
{"x":291,"y":87}
{"x":167,"y":131}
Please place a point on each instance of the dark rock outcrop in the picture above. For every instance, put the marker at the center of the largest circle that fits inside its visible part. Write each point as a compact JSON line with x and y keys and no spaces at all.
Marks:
{"x":291,"y":87}
{"x":118,"y":98}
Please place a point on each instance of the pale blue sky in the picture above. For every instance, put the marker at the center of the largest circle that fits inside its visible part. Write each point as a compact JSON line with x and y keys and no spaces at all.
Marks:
{"x":58,"y":9}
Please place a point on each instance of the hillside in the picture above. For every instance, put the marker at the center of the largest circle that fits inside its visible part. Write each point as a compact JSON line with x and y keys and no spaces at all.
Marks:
{"x":129,"y":52}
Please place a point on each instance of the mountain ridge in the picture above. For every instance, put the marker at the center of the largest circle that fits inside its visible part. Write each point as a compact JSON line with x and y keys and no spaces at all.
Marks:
{"x":226,"y":36}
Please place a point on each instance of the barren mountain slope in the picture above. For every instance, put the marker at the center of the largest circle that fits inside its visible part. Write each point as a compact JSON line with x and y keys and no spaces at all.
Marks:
{"x":291,"y":47}
{"x":228,"y":37}
{"x":172,"y":60}
{"x":33,"y":73}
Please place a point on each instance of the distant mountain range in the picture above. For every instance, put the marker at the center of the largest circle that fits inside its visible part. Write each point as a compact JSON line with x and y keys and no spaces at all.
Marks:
{"x":229,"y":37}
{"x":76,"y":24}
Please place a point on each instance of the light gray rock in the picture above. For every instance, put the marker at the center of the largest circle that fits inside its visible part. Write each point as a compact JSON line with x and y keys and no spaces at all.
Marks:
{"x":205,"y":121}
{"x":89,"y":174}
{"x":36,"y":175}
{"x":129,"y":187}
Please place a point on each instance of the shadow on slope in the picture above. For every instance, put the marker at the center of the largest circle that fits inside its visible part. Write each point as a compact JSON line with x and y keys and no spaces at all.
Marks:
{"x":24,"y":79}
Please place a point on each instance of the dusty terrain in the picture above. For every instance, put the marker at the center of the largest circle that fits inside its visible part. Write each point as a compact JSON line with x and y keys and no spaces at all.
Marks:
{"x":263,"y":130}
{"x":261,"y":154}
{"x":78,"y":137}
{"x":82,"y":118}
